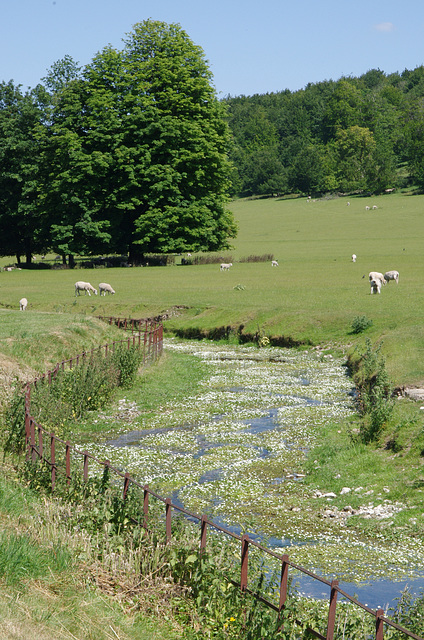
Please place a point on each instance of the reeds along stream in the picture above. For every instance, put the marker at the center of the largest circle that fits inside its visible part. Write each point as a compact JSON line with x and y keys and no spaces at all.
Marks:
{"x":236,"y":451}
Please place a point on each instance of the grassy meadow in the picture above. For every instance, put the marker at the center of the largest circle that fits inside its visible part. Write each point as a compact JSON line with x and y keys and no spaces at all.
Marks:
{"x":312,"y":297}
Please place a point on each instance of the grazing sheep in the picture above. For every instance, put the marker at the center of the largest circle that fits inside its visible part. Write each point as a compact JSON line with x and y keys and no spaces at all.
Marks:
{"x":375,"y":286}
{"x":84,"y":286}
{"x":23,"y":303}
{"x":392,"y":275}
{"x":367,"y":208}
{"x":353,"y":257}
{"x":376,"y":281}
{"x":274,"y":263}
{"x":348,"y":204}
{"x":105,"y":288}
{"x":374,"y":206}
{"x":225,"y":266}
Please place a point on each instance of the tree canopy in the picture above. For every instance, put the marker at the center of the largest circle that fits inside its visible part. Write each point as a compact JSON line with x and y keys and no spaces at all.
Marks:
{"x":132,"y":151}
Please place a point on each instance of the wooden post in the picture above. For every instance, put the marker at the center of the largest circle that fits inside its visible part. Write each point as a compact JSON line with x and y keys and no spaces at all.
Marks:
{"x":27,"y":421}
{"x":40,"y":441}
{"x":379,"y":624}
{"x":244,"y":561}
{"x":85,"y":466}
{"x":203,"y":531}
{"x":68,"y":462}
{"x":332,"y":610}
{"x":53,"y":459}
{"x":32,"y":439}
{"x":126,"y":485}
{"x":284,"y":580}
{"x":168,"y":514}
{"x":146,"y":505}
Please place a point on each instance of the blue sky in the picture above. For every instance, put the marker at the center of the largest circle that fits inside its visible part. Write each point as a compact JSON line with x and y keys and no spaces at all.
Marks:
{"x":252,"y":47}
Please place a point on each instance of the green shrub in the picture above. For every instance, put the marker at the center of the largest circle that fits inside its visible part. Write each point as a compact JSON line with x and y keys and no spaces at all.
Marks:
{"x":360,"y":324}
{"x":126,"y":362}
{"x":375,"y":403}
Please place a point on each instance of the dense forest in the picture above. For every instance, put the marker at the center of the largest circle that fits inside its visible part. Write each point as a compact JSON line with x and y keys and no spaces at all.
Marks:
{"x":135,"y":154}
{"x":361,"y":134}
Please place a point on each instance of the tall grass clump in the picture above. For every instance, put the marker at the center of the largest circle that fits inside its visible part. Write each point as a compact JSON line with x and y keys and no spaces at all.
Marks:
{"x":23,"y":559}
{"x":375,"y":403}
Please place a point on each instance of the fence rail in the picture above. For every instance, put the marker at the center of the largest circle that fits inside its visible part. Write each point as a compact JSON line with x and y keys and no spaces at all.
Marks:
{"x":44,"y":446}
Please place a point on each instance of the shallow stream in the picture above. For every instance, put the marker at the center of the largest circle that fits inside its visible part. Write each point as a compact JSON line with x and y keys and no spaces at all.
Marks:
{"x":236,"y":450}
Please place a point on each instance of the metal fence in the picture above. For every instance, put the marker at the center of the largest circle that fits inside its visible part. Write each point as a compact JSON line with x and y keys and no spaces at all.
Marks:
{"x":62,"y":457}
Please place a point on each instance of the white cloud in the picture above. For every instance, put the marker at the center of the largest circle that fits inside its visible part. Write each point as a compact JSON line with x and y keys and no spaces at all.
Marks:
{"x":386,"y":27}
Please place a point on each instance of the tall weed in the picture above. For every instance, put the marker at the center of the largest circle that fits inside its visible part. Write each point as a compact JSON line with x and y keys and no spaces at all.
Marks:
{"x":374,"y":393}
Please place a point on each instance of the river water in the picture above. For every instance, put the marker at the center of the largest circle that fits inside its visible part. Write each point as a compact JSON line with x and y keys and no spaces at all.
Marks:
{"x":235,"y":449}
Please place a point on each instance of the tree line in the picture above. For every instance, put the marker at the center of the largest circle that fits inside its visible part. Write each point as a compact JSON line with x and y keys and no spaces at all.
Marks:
{"x":356,"y":134}
{"x":135,"y":154}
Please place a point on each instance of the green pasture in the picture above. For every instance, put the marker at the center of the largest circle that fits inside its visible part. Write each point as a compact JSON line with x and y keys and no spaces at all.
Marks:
{"x":312,"y":297}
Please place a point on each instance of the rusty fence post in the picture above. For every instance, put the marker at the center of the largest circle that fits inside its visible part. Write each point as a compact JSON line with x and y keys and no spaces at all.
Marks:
{"x":85,"y":472}
{"x":203,"y":532}
{"x":283,"y":581}
{"x":40,"y":441}
{"x":332,"y":610}
{"x":32,"y":439}
{"x":126,"y":485}
{"x":146,"y":505}
{"x":27,"y":415}
{"x":379,"y":624}
{"x":244,"y":561}
{"x":168,"y":514}
{"x":53,"y":459}
{"x":68,"y":462}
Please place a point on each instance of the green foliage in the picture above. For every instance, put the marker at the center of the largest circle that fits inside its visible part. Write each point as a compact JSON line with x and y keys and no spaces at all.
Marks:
{"x":14,"y":420}
{"x":374,"y":401}
{"x":126,"y":361}
{"x":409,"y":613}
{"x":360,"y":324}
{"x":146,"y":122}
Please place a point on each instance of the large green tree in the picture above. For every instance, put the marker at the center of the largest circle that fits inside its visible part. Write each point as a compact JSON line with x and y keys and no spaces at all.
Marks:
{"x":137,"y":151}
{"x":21,"y":115}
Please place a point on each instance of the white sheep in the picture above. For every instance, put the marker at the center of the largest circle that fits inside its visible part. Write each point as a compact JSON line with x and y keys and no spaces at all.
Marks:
{"x":225,"y":266}
{"x":84,"y":286}
{"x":105,"y":288}
{"x":274,"y":263}
{"x":353,"y":257}
{"x":374,"y":206}
{"x":23,"y":303}
{"x":376,"y":281}
{"x":367,"y":208}
{"x":391,"y":275}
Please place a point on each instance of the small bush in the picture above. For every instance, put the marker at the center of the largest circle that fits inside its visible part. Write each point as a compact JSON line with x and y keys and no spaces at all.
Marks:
{"x":126,"y":362}
{"x":360,"y":324}
{"x":374,"y":393}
